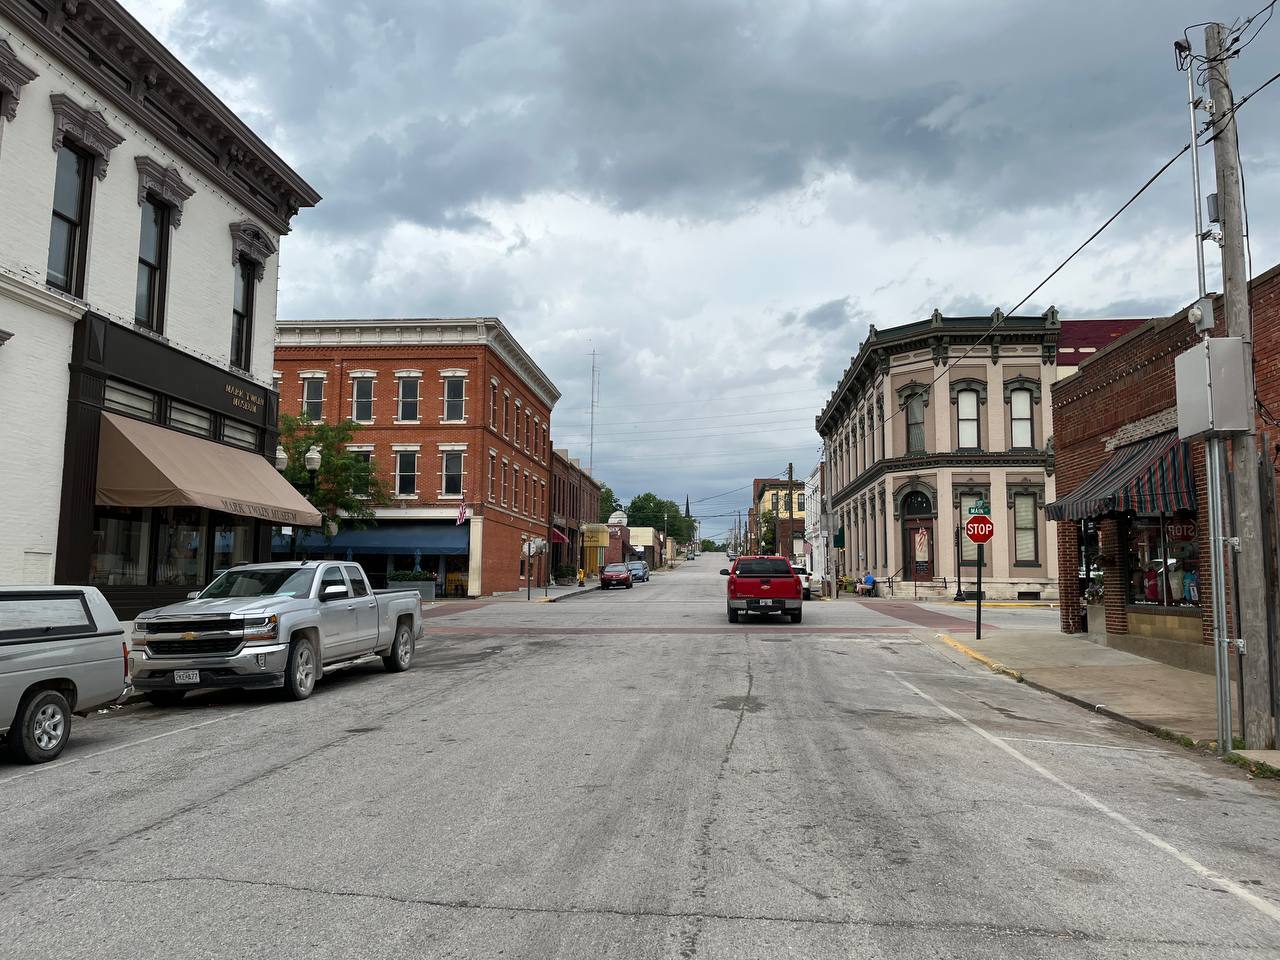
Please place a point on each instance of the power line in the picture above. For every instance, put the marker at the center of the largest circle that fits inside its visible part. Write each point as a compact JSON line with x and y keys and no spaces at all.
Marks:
{"x":738,"y":396}
{"x":715,"y":416}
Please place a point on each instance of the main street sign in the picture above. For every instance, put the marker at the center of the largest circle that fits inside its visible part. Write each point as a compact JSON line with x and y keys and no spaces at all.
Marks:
{"x":979,"y":529}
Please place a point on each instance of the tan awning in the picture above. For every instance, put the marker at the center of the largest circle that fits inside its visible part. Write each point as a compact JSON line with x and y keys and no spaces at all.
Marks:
{"x":144,"y":465}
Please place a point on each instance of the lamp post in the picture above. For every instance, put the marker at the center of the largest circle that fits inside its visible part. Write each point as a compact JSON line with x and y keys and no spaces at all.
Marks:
{"x":311,"y":460}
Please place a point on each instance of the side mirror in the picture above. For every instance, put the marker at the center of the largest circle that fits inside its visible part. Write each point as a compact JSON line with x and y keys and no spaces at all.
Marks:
{"x":335,"y":591}
{"x":193,"y":595}
{"x":724,"y":572}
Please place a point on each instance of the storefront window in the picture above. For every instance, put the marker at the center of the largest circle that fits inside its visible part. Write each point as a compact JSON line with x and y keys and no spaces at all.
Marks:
{"x":121,"y":539}
{"x":232,"y":542}
{"x":181,"y":547}
{"x":1164,"y":560}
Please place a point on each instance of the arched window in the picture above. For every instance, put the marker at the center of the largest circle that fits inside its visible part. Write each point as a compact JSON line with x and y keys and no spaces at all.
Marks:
{"x":916,"y":504}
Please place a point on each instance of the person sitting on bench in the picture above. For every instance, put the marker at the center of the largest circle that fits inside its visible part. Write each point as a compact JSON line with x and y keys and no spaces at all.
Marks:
{"x":867,"y":585}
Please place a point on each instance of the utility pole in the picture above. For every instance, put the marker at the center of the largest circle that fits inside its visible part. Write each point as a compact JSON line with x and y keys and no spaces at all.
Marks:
{"x":1250,"y":562}
{"x":790,"y":515}
{"x":595,"y":398}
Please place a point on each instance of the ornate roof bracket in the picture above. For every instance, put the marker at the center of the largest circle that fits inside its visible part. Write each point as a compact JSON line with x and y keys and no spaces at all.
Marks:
{"x":941,"y":350}
{"x":248,"y":242}
{"x":88,"y":129}
{"x":1025,"y":487}
{"x":14,"y":75}
{"x":165,"y":184}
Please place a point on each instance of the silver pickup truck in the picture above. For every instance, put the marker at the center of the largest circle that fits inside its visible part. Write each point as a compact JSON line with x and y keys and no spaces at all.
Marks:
{"x":62,"y":651}
{"x":273,"y":625}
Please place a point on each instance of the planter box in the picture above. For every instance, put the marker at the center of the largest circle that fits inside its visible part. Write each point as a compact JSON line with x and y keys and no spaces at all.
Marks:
{"x":1097,"y":629}
{"x":566,"y":581}
{"x":426,"y":588}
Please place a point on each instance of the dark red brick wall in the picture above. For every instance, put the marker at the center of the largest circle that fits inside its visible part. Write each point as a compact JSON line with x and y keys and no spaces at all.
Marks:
{"x":1132,"y":379}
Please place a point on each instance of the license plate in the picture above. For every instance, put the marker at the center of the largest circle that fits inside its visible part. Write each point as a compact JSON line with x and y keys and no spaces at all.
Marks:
{"x":765,"y":603}
{"x":186,"y":676}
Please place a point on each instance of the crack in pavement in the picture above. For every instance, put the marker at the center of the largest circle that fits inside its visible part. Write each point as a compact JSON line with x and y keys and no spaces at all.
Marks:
{"x":955,"y":926}
{"x":692,"y":929}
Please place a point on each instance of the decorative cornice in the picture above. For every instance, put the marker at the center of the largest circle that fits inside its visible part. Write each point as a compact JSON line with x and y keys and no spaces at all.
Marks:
{"x":1025,"y":487}
{"x":909,"y":391}
{"x":969,"y":383}
{"x":14,"y":75}
{"x":1022,"y":383}
{"x":40,"y":297}
{"x":960,"y":460}
{"x":164,"y":183}
{"x":87,"y":128}
{"x":467,"y":331}
{"x":248,"y":242}
{"x":129,"y":67}
{"x":5,"y":337}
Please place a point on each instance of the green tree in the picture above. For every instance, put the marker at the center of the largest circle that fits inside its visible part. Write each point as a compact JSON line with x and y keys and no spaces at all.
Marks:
{"x":608,"y":502}
{"x":346,"y":488}
{"x":768,"y":532}
{"x":650,"y":510}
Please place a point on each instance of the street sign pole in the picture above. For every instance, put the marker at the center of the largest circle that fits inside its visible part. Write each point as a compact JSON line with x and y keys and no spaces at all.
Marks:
{"x":981,"y":549}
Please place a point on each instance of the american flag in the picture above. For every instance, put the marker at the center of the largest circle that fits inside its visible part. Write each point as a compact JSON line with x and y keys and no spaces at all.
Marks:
{"x":462,"y":514}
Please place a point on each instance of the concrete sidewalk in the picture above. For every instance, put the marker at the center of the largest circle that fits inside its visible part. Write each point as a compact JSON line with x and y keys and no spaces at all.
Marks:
{"x":1162,"y":699}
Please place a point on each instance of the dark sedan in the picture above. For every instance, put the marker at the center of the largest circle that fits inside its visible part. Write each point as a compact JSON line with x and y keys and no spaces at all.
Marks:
{"x":615,"y":575}
{"x":639,"y":571}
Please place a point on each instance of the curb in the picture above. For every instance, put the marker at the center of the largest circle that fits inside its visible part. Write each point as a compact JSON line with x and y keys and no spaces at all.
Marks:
{"x":1026,"y":604}
{"x":1256,"y":767}
{"x":566,"y":596}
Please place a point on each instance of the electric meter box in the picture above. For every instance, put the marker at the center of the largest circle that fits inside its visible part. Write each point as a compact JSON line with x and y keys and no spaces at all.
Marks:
{"x":1212,"y":385}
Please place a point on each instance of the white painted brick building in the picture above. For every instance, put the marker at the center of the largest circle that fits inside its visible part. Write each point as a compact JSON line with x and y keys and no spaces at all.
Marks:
{"x":139,"y":129}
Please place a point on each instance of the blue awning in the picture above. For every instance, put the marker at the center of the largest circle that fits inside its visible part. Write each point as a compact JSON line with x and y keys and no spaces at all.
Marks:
{"x":427,"y":539}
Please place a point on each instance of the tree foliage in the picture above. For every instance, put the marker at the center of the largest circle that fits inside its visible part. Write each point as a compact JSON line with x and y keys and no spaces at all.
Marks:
{"x":608,"y":502}
{"x":346,"y":488}
{"x":768,"y":532}
{"x":650,"y":510}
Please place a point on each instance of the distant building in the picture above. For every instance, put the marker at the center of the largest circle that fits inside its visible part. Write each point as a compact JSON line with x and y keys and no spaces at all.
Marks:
{"x":932,"y":417}
{"x":770,"y":507}
{"x":815,"y":533}
{"x":575,"y":502}
{"x":455,"y":417}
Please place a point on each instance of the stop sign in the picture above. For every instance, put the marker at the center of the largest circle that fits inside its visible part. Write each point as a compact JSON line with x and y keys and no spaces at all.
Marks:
{"x":979,"y":529}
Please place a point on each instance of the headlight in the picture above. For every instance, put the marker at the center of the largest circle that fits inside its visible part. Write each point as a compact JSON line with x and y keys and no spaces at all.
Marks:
{"x":262,"y":629}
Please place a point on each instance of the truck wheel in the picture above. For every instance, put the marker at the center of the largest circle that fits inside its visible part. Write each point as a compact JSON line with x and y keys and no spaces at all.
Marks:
{"x":808,"y":595}
{"x":41,"y":728}
{"x":301,"y":670}
{"x":400,"y":655}
{"x":796,"y":615}
{"x":165,"y":698}
{"x":733,"y":615}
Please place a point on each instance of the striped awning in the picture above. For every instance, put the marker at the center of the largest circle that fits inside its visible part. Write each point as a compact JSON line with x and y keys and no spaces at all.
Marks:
{"x":1149,"y":477}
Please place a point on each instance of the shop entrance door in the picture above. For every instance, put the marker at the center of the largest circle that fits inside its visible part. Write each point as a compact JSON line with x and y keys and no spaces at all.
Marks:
{"x":917,"y":536}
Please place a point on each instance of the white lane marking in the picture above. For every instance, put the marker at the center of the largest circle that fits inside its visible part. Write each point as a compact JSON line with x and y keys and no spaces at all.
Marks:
{"x":1262,"y":906}
{"x":1075,"y":743}
{"x":58,"y":764}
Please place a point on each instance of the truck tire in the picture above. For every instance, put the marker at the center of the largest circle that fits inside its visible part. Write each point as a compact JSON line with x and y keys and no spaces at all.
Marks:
{"x":41,"y":727}
{"x":400,"y":655}
{"x":301,"y":670}
{"x":796,"y":615}
{"x":165,"y":698}
{"x":733,"y":615}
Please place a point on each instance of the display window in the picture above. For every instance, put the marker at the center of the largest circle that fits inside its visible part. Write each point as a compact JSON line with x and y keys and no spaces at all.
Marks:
{"x":1164,"y":560}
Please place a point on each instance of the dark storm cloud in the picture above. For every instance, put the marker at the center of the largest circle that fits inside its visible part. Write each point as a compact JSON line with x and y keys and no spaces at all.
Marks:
{"x":418,"y":110}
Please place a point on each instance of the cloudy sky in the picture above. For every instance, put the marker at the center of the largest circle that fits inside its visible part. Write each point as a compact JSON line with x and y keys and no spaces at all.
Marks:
{"x":719,"y":196}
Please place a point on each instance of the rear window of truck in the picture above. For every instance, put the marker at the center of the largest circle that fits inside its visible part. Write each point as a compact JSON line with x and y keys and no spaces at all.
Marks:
{"x":762,"y":568}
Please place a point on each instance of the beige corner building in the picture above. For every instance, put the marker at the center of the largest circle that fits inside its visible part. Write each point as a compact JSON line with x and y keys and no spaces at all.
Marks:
{"x":932,"y":417}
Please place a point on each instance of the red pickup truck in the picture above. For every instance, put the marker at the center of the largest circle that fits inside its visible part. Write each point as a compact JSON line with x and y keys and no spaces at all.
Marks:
{"x":763,"y":585}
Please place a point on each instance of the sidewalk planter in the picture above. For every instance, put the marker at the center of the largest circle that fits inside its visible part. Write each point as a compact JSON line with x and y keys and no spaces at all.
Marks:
{"x":426,"y":588}
{"x":1097,"y":622}
{"x":566,"y":581}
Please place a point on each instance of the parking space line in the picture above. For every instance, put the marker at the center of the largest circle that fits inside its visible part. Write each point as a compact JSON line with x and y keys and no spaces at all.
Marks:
{"x":58,"y":764}
{"x":1195,"y":866}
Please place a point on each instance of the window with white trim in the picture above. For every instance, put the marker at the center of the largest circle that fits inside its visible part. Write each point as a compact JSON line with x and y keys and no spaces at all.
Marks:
{"x":313,"y":398}
{"x":526,"y":491}
{"x":408,"y":393}
{"x":1022,"y":435}
{"x":967,"y":437}
{"x":406,"y":473}
{"x":454,"y":399}
{"x":506,"y":414}
{"x":504,"y":483}
{"x":451,"y":473}
{"x":493,"y":405}
{"x":519,"y":421}
{"x":528,"y":429}
{"x":543,"y":484}
{"x":493,"y":471}
{"x":362,"y":399}
{"x":1025,"y":533}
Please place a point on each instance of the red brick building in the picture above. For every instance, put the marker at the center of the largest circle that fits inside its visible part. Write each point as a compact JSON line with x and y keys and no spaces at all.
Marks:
{"x":455,"y":416}
{"x":1131,"y":497}
{"x":575,"y":502}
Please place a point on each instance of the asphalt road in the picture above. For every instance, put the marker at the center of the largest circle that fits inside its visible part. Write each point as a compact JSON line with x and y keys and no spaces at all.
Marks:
{"x":626,"y":775}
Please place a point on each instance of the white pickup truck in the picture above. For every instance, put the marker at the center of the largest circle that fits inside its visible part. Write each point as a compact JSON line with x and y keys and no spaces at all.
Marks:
{"x":272,"y":625}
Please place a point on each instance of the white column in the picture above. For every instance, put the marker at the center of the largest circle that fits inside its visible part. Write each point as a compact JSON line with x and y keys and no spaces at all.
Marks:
{"x":475,"y":557}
